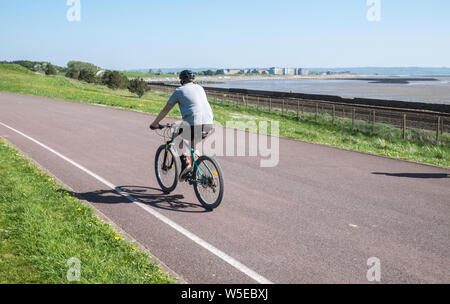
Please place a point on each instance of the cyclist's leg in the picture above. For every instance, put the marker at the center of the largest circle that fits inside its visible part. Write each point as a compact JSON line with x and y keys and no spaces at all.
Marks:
{"x":200,"y":132}
{"x":196,"y":134}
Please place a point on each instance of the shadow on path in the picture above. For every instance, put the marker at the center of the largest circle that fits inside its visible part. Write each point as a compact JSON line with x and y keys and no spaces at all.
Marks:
{"x":415,"y":175}
{"x":151,"y":196}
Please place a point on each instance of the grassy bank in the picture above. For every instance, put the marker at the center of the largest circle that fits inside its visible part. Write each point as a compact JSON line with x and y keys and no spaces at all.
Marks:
{"x":19,"y":80}
{"x":42,"y":226}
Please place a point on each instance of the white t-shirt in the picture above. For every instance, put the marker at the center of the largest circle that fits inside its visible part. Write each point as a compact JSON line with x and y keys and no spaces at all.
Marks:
{"x":193,"y":103}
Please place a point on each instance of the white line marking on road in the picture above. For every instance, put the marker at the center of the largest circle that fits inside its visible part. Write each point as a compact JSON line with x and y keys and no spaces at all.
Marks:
{"x":222,"y":255}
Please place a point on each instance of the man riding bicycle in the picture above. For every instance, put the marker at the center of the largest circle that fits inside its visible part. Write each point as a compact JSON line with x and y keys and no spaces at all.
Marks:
{"x":196,"y":113}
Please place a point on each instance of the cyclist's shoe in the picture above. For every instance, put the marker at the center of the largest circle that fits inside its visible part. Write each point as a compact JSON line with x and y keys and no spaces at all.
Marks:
{"x":185,"y":169}
{"x":185,"y":173}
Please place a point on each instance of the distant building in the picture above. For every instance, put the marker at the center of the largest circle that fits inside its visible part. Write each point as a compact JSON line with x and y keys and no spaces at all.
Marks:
{"x":276,"y":71}
{"x":303,"y":72}
{"x":231,"y":72}
{"x":288,"y":71}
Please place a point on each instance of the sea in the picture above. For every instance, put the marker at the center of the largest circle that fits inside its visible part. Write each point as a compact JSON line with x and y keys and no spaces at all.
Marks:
{"x":415,"y":89}
{"x":432,"y":91}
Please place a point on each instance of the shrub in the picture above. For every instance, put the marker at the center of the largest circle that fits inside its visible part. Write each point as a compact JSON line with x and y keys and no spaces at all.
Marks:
{"x":73,"y":73}
{"x":138,"y":86}
{"x":87,"y":76}
{"x":50,"y":70}
{"x":115,"y":80}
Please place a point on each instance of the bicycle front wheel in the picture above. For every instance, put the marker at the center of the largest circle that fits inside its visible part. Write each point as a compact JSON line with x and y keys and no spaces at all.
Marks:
{"x":209,"y":182}
{"x":166,"y":169}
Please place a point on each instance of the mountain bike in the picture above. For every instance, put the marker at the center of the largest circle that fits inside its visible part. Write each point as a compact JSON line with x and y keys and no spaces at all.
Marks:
{"x":206,"y":176}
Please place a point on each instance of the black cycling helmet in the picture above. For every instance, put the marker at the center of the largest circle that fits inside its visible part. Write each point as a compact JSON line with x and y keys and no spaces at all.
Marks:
{"x":187,"y":75}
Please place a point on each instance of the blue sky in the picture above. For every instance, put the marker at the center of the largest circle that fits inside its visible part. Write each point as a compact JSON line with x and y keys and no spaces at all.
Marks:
{"x":229,"y":33}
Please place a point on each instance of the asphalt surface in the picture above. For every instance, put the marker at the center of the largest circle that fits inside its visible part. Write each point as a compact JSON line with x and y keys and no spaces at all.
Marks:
{"x":317,"y":217}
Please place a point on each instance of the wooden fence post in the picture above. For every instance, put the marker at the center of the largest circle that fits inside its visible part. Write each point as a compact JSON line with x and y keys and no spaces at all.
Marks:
{"x":334,"y":114}
{"x":373,"y":121}
{"x":270,"y":104}
{"x":353,"y":118}
{"x":438,"y":127}
{"x":282,"y":107}
{"x":317,"y":110}
{"x":404,"y":126}
{"x":257,"y":103}
{"x":298,"y":108}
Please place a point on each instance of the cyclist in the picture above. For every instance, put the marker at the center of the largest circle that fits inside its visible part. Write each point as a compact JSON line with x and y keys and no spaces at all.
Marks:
{"x":196,"y":112}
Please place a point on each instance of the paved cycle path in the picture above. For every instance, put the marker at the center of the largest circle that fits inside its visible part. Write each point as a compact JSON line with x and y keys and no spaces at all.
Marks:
{"x":317,"y":217}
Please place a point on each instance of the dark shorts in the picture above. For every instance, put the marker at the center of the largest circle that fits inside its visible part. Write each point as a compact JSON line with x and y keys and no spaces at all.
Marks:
{"x":195,"y":133}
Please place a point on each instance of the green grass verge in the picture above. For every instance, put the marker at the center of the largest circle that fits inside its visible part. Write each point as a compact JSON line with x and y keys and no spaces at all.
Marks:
{"x":16,"y":79}
{"x":389,"y":143}
{"x":42,"y":226}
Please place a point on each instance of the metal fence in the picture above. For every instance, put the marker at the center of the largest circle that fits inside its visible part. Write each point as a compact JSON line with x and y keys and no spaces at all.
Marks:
{"x":416,"y":124}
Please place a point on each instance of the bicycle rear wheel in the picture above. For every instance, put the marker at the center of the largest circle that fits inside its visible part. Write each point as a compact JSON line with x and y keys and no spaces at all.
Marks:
{"x":209,"y":183}
{"x":166,"y":169}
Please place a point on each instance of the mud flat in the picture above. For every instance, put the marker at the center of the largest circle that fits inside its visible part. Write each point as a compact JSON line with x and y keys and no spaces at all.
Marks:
{"x":224,"y":79}
{"x":434,"y":90}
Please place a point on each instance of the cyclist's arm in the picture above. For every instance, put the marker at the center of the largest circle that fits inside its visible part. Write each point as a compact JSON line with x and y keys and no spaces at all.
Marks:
{"x":161,"y":115}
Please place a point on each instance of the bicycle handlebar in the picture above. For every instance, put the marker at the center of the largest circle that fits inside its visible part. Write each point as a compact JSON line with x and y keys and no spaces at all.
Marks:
{"x":160,"y":127}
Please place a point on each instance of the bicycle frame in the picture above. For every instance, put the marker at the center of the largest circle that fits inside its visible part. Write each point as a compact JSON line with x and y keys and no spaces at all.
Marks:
{"x":198,"y":169}
{"x":169,"y":144}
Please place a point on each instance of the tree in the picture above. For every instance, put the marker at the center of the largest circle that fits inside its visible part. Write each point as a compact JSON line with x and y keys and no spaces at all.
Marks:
{"x":220,"y":72}
{"x":50,"y":70}
{"x":79,"y":65}
{"x":138,"y":86}
{"x":73,"y":73}
{"x":87,"y":76}
{"x":115,"y":80}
